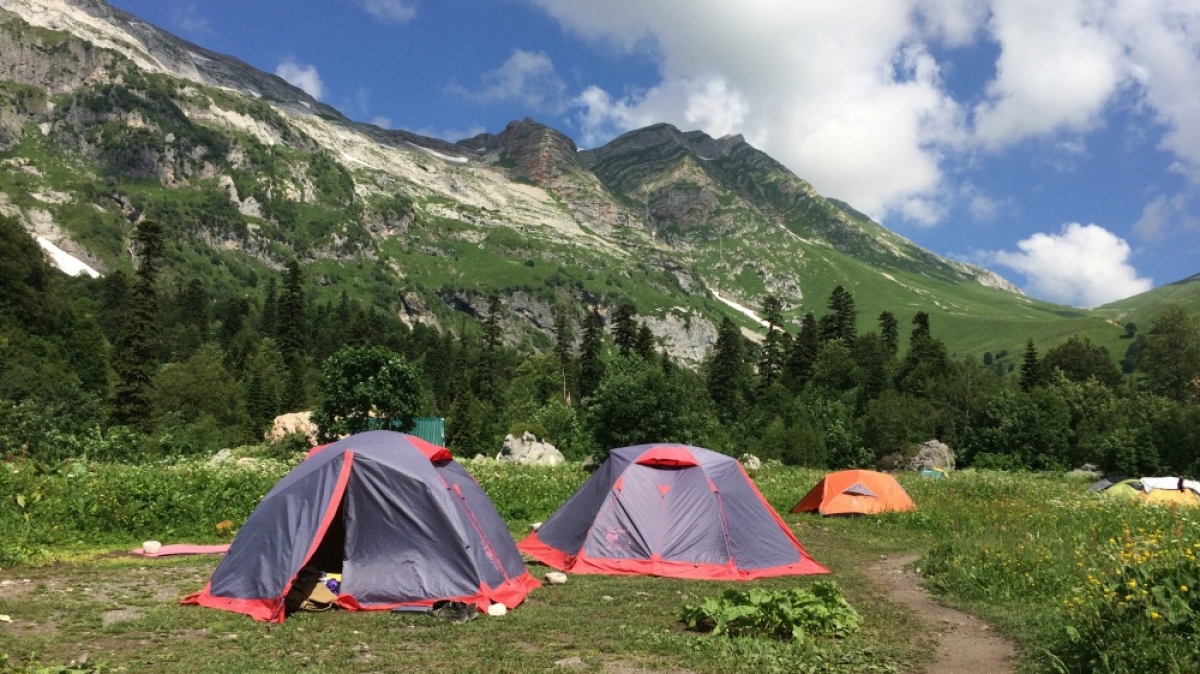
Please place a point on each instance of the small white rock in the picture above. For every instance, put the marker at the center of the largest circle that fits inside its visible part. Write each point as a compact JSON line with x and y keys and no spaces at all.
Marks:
{"x":497,"y":610}
{"x":151,"y":547}
{"x":5,"y":619}
{"x":535,"y":526}
{"x":556,"y":578}
{"x":606,"y":598}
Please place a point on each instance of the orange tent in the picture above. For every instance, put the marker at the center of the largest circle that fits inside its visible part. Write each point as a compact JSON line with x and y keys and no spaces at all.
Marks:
{"x":856,"y":492}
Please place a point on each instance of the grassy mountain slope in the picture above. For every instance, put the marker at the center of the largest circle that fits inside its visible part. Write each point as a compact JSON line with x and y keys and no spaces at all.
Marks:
{"x":104,"y":120}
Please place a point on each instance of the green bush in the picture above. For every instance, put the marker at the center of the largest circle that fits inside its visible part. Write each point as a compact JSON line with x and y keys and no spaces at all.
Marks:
{"x":798,"y":613}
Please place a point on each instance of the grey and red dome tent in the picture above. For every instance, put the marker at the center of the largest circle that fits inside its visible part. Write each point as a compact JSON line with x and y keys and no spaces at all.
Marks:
{"x":402,"y":522}
{"x":670,"y":510}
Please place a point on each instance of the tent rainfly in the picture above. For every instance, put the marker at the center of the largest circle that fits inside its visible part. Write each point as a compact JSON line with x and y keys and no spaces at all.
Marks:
{"x":401,"y":521}
{"x":856,"y":492}
{"x":670,"y":510}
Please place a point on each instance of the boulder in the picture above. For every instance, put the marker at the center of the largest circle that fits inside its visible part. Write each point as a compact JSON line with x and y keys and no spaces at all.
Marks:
{"x":931,"y":454}
{"x":750,"y":462}
{"x":294,"y":422}
{"x":221,"y":457}
{"x":528,"y":450}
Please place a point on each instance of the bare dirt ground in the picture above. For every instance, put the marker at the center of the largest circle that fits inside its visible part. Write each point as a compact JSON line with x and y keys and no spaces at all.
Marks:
{"x":967,"y":645}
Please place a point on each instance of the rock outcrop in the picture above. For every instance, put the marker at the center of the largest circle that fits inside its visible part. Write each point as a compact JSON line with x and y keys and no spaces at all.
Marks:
{"x":528,"y":450}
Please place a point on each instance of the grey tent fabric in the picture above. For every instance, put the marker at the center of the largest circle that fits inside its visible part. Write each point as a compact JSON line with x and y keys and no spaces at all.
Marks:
{"x":669,"y":510}
{"x":859,"y":490}
{"x":396,"y":516}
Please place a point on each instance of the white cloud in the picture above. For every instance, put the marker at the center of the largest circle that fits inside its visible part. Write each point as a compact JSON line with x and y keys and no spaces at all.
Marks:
{"x":528,"y":78}
{"x":1083,"y":265}
{"x":188,"y":19}
{"x":390,"y":10}
{"x":382,"y":122}
{"x":1166,"y":216}
{"x":450,"y":135}
{"x":850,"y":96}
{"x":1057,"y":70}
{"x":305,"y":77}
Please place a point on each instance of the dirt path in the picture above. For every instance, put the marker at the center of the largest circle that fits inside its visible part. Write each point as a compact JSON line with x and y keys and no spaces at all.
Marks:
{"x":967,"y":646}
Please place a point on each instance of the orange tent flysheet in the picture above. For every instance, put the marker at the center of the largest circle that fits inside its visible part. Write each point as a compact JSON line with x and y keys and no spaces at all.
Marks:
{"x":856,"y":492}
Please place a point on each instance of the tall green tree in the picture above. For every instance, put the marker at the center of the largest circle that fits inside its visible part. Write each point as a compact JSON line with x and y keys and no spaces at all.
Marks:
{"x":136,"y":352}
{"x":841,"y":307}
{"x":802,"y":354}
{"x":591,"y":348}
{"x":889,"y":330}
{"x":926,"y":361}
{"x":358,"y":384}
{"x":1031,"y":368}
{"x":625,"y":328}
{"x":643,"y":344}
{"x":637,"y":402}
{"x":292,"y":323}
{"x":487,"y":373}
{"x":564,"y":351}
{"x":1170,"y":359}
{"x":729,"y":373}
{"x":770,"y":364}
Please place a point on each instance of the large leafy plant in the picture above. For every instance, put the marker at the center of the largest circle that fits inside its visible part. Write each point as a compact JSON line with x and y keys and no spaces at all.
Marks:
{"x":799,"y":613}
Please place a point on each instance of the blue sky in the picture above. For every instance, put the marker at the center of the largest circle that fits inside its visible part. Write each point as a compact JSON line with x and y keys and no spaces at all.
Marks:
{"x":1055,"y":143}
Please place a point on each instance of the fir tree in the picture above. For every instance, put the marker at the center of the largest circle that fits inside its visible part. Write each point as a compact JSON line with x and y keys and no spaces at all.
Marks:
{"x":729,"y":373}
{"x":1031,"y":369}
{"x":269,"y":318}
{"x":135,"y":358}
{"x":845,"y":316}
{"x":487,"y":374}
{"x":643,"y":344}
{"x":625,"y":328}
{"x":564,"y":351}
{"x":802,"y":354}
{"x":463,"y":423}
{"x":293,"y":334}
{"x":770,"y":364}
{"x":591,"y":366}
{"x":889,"y":331}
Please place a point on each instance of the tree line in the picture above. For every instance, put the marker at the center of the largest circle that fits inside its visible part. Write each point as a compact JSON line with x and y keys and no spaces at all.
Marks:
{"x":130,"y":367}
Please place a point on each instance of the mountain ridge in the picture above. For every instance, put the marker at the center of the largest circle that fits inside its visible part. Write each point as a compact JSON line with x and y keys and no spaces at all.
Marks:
{"x":251,"y":171}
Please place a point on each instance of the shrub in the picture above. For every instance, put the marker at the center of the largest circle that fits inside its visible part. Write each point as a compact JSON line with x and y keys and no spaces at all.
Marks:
{"x":798,"y":613}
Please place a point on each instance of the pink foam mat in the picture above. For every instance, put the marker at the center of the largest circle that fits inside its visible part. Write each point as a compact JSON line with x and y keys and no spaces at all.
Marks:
{"x":184,"y":549}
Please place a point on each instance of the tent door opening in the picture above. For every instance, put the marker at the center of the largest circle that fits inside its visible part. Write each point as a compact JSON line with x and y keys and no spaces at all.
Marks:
{"x":331,"y":551}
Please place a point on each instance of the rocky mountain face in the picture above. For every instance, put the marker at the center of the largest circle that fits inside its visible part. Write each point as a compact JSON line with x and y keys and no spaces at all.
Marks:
{"x":105,"y":119}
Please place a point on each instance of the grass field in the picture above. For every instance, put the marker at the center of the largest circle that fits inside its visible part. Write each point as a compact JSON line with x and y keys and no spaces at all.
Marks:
{"x":1036,"y":555}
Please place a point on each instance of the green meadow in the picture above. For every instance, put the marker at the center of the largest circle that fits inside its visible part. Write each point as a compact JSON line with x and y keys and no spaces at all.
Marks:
{"x":1080,"y":582}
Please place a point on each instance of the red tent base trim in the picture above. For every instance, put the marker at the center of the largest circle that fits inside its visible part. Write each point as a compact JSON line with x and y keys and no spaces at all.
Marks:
{"x":268,"y":610}
{"x":511,"y":593}
{"x":664,"y":568}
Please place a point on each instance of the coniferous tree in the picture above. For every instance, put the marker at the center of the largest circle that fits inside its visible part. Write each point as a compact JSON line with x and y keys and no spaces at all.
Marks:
{"x":770,"y":364}
{"x":194,"y":306}
{"x":643,"y":344}
{"x":1031,"y":369}
{"x":926,"y":361}
{"x":729,"y":373}
{"x":889,"y":331}
{"x":463,"y":425}
{"x":845,"y":316}
{"x":136,"y":350}
{"x":487,"y":374}
{"x":591,"y":347}
{"x":114,"y":302}
{"x":625,"y":328}
{"x":292,"y":328}
{"x":268,"y":319}
{"x":564,"y":351}
{"x":802,"y":354}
